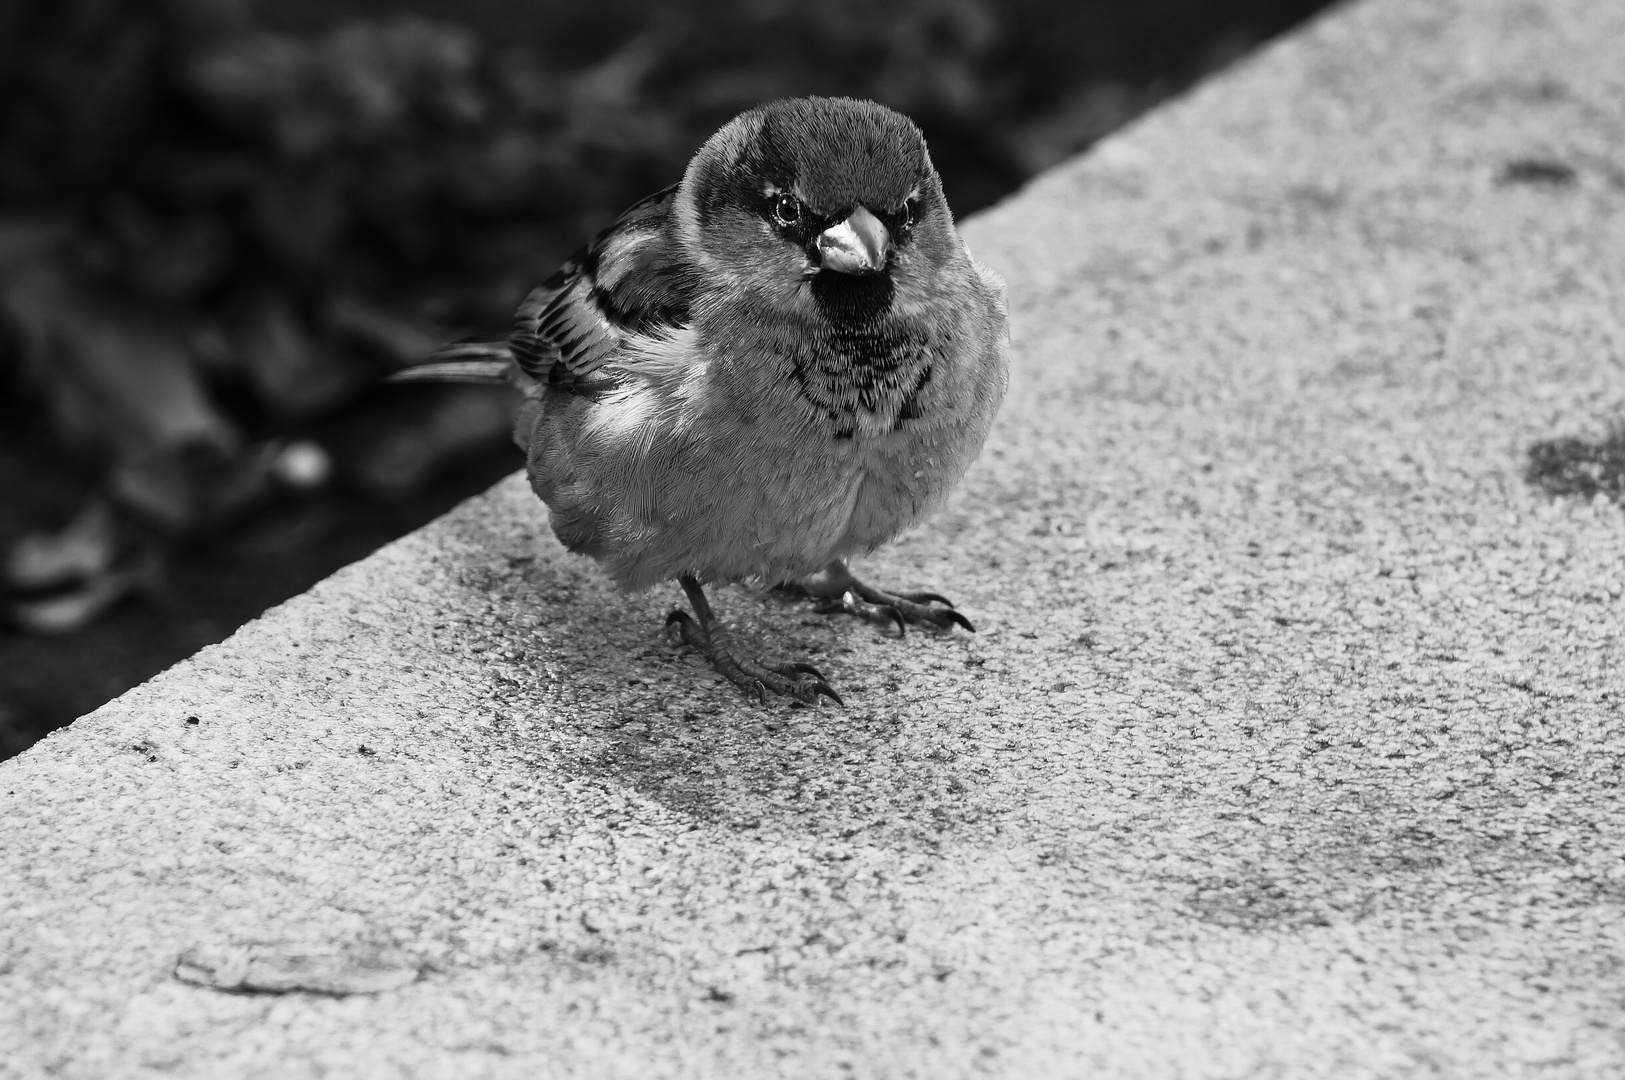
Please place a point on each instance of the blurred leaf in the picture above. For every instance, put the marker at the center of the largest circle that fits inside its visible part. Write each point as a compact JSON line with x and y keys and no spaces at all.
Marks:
{"x":171,"y":259}
{"x":96,"y":584}
{"x":361,"y":82}
{"x":210,"y":18}
{"x":117,"y":376}
{"x":28,"y":239}
{"x":185,"y":488}
{"x":302,"y":214}
{"x":84,"y":548}
{"x":74,"y":610}
{"x":296,"y":375}
{"x":396,"y":337}
{"x":459,"y":420}
{"x":615,"y":83}
{"x":160,"y":488}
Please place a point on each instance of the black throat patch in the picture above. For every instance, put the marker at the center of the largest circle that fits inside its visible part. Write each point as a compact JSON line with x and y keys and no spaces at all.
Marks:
{"x":853,"y":303}
{"x":865,"y":361}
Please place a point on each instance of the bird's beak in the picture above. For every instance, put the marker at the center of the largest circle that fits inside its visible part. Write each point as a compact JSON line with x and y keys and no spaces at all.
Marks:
{"x":858,"y":245}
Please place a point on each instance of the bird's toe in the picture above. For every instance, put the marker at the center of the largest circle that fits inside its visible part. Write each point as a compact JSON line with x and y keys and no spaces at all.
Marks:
{"x":927,"y":598}
{"x":890,"y":609}
{"x":757,"y":678}
{"x":884,"y":613}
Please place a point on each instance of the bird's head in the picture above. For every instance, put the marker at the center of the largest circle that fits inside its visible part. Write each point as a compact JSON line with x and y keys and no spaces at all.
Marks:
{"x":826,"y":204}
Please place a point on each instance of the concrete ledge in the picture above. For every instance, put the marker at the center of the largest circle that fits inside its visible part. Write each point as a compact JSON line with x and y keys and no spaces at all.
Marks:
{"x":1291,"y":747}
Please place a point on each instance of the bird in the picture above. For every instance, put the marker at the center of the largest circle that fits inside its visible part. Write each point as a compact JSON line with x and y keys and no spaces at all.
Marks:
{"x":781,"y":361}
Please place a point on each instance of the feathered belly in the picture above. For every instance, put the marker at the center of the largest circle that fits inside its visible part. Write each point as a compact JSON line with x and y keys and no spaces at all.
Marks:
{"x":654,"y":489}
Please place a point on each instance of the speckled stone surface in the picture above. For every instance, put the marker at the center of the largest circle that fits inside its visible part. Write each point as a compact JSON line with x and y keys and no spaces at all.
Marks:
{"x":1290,"y":746}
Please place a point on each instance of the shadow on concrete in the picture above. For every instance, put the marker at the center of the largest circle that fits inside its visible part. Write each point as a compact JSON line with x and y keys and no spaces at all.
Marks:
{"x":1580,"y":467}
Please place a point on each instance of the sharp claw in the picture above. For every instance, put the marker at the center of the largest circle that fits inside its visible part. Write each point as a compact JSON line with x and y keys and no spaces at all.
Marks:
{"x":800,"y":681}
{"x":828,"y":691}
{"x":902,"y":624}
{"x":917,"y":605}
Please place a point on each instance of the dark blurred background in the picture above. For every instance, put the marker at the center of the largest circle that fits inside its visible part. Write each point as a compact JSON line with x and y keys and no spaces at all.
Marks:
{"x":221,"y":223}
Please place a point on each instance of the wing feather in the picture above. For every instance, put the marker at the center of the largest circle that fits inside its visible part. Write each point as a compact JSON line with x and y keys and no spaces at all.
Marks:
{"x":631,"y":281}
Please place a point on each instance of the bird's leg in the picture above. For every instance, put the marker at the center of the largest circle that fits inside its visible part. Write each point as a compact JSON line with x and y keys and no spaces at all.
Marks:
{"x":756,"y":677}
{"x":838,"y":590}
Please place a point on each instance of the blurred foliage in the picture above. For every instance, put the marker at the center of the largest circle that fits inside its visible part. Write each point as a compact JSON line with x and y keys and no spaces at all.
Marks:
{"x":220,"y":224}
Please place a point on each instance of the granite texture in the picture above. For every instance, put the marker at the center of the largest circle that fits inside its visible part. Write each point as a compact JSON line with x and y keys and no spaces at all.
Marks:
{"x":1290,"y":746}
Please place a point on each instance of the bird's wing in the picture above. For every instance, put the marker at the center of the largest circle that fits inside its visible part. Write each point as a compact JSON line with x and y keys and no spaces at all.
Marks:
{"x":631,"y":282}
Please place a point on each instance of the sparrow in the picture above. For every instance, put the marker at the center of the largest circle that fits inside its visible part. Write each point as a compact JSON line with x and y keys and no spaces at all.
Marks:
{"x":783,"y":360}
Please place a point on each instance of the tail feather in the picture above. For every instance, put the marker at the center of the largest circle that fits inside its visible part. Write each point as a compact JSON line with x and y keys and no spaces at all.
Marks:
{"x":463,"y":362}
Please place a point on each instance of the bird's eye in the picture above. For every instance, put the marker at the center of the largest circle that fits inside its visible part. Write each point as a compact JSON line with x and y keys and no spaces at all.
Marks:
{"x":786,"y":209}
{"x":911,"y":211}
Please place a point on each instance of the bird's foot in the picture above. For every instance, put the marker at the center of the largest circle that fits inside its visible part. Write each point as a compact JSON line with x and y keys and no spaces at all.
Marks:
{"x":838,"y":591}
{"x":757,"y":677}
